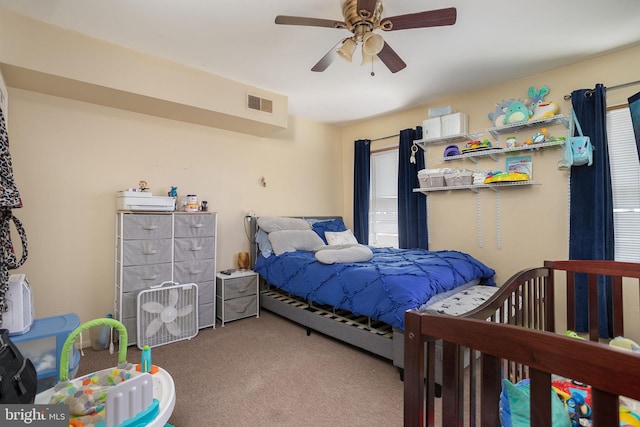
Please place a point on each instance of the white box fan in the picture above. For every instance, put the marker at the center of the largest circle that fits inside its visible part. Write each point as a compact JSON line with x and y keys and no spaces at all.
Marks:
{"x":167,"y":314}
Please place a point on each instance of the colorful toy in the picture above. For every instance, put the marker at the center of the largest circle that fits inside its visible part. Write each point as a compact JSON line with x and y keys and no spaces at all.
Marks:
{"x":476,"y":145}
{"x":544,"y":110}
{"x":628,"y":418}
{"x":499,"y":176}
{"x":121,"y":393}
{"x":538,"y":137}
{"x":541,"y":109}
{"x":517,"y":112}
{"x":497,"y":117}
{"x":537,"y":96}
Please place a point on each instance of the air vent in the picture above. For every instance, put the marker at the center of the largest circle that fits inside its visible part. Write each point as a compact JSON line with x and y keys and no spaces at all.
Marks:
{"x":259,"y":104}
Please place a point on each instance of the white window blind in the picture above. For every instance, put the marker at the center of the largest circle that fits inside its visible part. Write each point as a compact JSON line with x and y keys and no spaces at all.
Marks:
{"x":383,"y":208}
{"x":625,"y":182}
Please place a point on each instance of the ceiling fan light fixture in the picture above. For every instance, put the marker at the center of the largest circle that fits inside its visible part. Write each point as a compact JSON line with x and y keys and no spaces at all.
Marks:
{"x":372,"y":44}
{"x":346,"y":50}
{"x":368,"y":59}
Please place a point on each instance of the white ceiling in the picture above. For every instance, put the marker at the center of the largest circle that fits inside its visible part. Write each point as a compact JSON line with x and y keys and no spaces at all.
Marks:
{"x":493,"y":41}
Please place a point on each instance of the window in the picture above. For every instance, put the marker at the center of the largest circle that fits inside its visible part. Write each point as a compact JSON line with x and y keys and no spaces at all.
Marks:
{"x":383,"y":207}
{"x":625,"y":182}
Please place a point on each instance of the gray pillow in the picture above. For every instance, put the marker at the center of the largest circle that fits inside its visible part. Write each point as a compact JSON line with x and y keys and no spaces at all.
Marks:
{"x":344,"y":254}
{"x":277,"y":223}
{"x":294,"y":240}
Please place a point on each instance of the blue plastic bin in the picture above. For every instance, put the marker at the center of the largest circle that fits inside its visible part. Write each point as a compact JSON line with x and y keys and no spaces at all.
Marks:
{"x":43,"y":343}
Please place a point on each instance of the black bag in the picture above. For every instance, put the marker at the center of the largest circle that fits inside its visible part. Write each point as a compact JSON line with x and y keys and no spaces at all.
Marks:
{"x":18,"y":378}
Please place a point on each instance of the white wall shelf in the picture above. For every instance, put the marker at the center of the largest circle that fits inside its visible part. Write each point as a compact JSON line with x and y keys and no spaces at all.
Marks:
{"x":494,"y":153}
{"x":516,"y":127}
{"x":451,"y":139}
{"x":475,"y":188}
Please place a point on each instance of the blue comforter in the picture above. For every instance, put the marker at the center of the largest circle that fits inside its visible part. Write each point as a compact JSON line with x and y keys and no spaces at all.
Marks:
{"x":394,"y":281}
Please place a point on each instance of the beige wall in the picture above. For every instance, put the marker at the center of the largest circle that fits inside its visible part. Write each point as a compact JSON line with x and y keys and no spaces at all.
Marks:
{"x":534,"y":219}
{"x":70,"y":158}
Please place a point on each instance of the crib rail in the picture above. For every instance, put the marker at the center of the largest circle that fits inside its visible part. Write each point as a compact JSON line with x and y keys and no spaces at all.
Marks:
{"x":610,"y":372}
{"x":514,"y":332}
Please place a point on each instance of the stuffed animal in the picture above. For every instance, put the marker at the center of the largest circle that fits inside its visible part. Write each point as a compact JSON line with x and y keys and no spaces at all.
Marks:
{"x":497,"y":117}
{"x":544,"y":110}
{"x":541,"y":108}
{"x":537,"y":96}
{"x":517,"y":112}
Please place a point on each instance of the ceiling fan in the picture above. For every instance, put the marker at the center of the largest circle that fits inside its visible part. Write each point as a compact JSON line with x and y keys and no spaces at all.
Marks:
{"x":362,"y":18}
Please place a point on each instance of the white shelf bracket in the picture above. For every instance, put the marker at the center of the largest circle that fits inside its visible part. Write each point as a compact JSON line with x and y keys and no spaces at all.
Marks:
{"x":498,"y":219}
{"x":479,"y":219}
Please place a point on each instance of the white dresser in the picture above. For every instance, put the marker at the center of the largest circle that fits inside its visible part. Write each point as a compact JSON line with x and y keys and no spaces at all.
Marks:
{"x":152,"y":248}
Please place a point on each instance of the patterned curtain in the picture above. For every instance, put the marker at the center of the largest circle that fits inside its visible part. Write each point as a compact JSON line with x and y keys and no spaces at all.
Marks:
{"x":9,"y":199}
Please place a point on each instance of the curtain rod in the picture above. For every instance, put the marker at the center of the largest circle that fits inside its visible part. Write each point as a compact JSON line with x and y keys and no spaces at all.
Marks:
{"x":620,"y":86}
{"x":386,"y":137}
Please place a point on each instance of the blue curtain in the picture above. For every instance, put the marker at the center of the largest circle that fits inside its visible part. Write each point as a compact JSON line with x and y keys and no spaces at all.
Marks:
{"x":591,"y":217}
{"x":361,"y":190}
{"x":412,"y":207}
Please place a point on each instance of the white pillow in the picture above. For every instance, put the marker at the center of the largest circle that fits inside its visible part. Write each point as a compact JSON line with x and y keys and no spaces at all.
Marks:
{"x":341,"y":254}
{"x":294,"y":240}
{"x":340,"y":237}
{"x":277,"y":223}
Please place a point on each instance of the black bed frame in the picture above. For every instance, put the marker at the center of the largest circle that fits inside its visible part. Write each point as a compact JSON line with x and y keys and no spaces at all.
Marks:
{"x":375,"y":337}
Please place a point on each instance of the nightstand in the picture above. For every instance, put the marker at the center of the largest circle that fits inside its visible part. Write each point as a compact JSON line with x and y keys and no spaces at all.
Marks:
{"x":237,"y":295}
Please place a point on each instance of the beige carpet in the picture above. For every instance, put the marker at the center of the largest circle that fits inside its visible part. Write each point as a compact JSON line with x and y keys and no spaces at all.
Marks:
{"x":268,"y":372}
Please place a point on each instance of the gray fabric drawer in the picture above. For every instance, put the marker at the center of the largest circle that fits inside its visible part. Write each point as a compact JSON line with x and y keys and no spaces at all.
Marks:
{"x":194,"y":225}
{"x":194,"y":248}
{"x":138,"y":277}
{"x":142,"y":252}
{"x":237,"y":308}
{"x":147,"y":226}
{"x":238,"y":286}
{"x":206,"y":293}
{"x":132,"y":332}
{"x":206,"y":315}
{"x":194,"y":271}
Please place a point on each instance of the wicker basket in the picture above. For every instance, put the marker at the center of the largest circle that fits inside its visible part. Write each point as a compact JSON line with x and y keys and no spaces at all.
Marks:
{"x":458,"y":178}
{"x":430,"y":179}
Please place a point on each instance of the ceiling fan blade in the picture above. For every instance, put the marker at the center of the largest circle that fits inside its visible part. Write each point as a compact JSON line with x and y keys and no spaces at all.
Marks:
{"x":309,"y":22}
{"x":429,"y":18}
{"x":391,"y":59}
{"x":327,"y":59}
{"x":365,"y":8}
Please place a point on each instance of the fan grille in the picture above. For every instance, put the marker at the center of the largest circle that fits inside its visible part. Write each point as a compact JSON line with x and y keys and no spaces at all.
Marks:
{"x":167,"y":314}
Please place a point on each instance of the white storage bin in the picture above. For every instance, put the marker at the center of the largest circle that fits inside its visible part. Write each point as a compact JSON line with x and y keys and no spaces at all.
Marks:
{"x":431,"y":128}
{"x":453,"y":124}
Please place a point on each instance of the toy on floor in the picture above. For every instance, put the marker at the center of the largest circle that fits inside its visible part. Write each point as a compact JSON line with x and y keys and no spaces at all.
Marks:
{"x":123,"y":396}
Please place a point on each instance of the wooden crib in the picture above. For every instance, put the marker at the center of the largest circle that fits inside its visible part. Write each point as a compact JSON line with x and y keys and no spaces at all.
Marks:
{"x":517,"y":334}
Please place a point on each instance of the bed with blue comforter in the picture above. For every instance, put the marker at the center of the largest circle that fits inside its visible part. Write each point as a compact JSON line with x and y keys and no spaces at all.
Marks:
{"x":313,"y":273}
{"x":392,"y":282}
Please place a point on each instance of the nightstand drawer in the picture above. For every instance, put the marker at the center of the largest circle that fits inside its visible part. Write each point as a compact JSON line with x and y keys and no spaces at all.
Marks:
{"x":237,"y":308}
{"x":237,"y":286}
